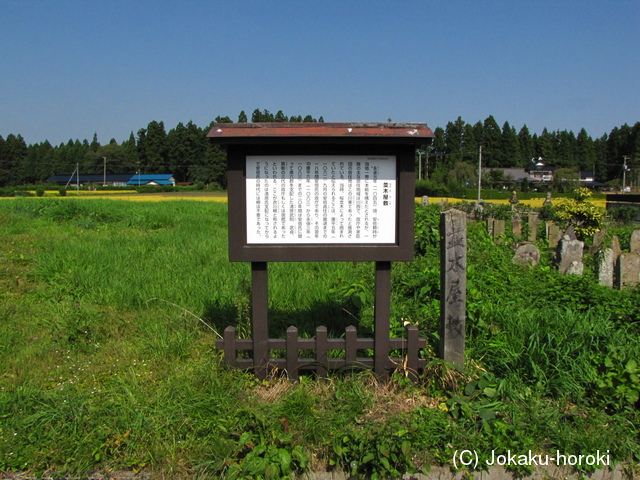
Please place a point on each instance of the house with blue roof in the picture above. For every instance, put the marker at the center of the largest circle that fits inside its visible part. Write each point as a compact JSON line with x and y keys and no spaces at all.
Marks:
{"x":152,"y":179}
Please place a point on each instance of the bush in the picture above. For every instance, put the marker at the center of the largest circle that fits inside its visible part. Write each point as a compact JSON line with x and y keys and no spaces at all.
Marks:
{"x":578,"y":212}
{"x":40,"y":191}
{"x":431,"y":189}
{"x":62,"y":191}
{"x":625,"y":214}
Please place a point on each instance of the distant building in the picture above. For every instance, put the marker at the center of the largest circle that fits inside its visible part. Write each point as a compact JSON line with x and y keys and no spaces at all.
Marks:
{"x":152,"y":179}
{"x":538,"y":171}
{"x":588,"y":179}
{"x":112,"y":180}
{"x":515,"y":174}
{"x":535,"y":172}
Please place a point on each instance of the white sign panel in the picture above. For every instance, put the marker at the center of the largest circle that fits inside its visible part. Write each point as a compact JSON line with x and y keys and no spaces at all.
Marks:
{"x":323,"y":199}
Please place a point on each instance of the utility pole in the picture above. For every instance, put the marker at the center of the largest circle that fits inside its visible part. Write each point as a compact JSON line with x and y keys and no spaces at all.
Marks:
{"x":427,"y":165}
{"x":479,"y":175}
{"x":77,"y":177}
{"x":104,"y":176}
{"x":419,"y":165}
{"x":624,"y":173}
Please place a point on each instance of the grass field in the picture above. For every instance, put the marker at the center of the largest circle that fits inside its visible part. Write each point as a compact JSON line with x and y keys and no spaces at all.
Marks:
{"x":109,"y":312}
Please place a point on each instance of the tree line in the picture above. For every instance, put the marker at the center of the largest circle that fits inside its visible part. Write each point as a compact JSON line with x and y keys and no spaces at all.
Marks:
{"x":185,"y":152}
{"x":454,"y":153}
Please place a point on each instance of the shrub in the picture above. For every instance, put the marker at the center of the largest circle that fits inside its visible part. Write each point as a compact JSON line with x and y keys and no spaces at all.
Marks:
{"x":625,"y":214}
{"x":40,"y":191}
{"x":578,"y":212}
{"x":62,"y":191}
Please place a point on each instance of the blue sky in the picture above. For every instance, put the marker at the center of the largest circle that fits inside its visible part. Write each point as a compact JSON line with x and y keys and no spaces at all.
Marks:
{"x":72,"y":68}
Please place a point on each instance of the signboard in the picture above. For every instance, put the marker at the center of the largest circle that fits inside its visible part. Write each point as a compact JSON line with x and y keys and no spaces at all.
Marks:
{"x":303,"y":192}
{"x":321,"y":199}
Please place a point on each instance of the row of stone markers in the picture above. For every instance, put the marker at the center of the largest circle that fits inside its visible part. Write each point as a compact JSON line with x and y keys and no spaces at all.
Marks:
{"x":613,"y":267}
{"x":497,"y":227}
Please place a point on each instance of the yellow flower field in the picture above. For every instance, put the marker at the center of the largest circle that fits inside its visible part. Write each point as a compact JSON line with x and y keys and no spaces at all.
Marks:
{"x":535,"y":202}
{"x":132,"y":195}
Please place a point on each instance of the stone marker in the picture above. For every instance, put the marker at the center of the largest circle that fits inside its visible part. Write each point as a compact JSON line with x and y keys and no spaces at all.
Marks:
{"x":533,"y":227}
{"x":615,"y":246}
{"x":498,"y":229}
{"x":570,"y":232}
{"x":570,"y":252}
{"x":627,"y":272}
{"x":605,"y":267}
{"x":598,"y":240}
{"x":514,"y":199}
{"x":490,"y":227}
{"x":576,"y":268}
{"x":634,"y":244}
{"x":554,"y":234}
{"x":425,"y":200}
{"x":516,"y":225}
{"x":453,"y":285}
{"x":527,"y":255}
{"x":547,"y":200}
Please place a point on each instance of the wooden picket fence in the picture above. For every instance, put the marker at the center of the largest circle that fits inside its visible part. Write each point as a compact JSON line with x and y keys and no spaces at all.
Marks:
{"x":321,"y":363}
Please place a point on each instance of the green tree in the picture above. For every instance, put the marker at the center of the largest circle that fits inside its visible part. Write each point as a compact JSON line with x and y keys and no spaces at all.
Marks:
{"x":39,"y":165}
{"x":510,"y":150}
{"x":454,"y":140}
{"x":242,"y":118}
{"x":585,"y":151}
{"x":566,"y":147}
{"x":470,"y":144}
{"x":491,"y":143}
{"x":544,"y":145}
{"x":565,"y":180}
{"x":437,"y":150}
{"x":187,"y":146}
{"x":152,"y":148}
{"x":463,"y":175}
{"x":600,"y":148}
{"x":256,"y":116}
{"x":130,"y":151}
{"x":527,"y":150}
{"x":94,"y":143}
{"x":6,"y":169}
{"x":495,"y":178}
{"x":14,"y":161}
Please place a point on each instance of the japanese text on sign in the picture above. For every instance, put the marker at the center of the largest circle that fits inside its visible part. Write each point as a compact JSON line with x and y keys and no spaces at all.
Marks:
{"x":321,"y":199}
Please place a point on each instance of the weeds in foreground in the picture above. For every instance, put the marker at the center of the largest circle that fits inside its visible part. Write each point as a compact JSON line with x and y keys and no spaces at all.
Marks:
{"x":96,"y":375}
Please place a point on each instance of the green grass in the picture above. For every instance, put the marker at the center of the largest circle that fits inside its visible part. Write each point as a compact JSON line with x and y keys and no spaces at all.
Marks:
{"x":104,"y":365}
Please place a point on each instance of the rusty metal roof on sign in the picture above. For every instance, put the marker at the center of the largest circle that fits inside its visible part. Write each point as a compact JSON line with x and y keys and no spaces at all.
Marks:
{"x":414,"y":133}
